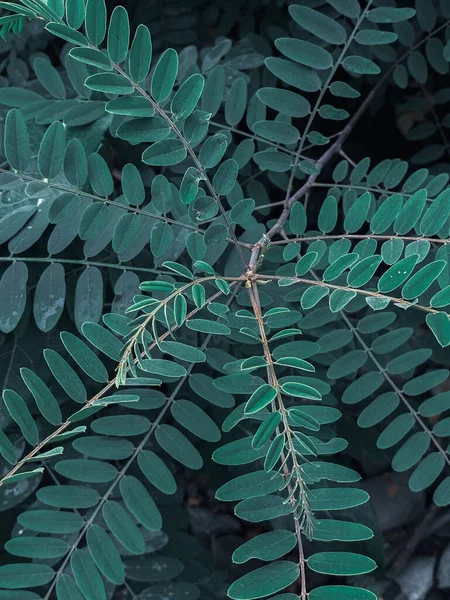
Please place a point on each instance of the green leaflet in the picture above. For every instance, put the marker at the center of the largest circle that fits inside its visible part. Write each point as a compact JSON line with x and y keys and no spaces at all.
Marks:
{"x":132,"y":106}
{"x":212,"y":150}
{"x":262,"y":508}
{"x":239,"y":452}
{"x":84,"y":357}
{"x":140,"y":503}
{"x":99,"y":175}
{"x":426,"y":472}
{"x":281,"y":133}
{"x":51,"y":521}
{"x":318,"y":24}
{"x":121,"y":425}
{"x":439,"y":323}
{"x":397,"y":274}
{"x":19,"y":411}
{"x":332,"y":529}
{"x":37,"y":547}
{"x":195,"y":420}
{"x":236,"y":102}
{"x":274,"y":452}
{"x":206,"y":326}
{"x":65,"y":496}
{"x":49,"y":77}
{"x":410,"y":213}
{"x":422,"y":280}
{"x":337,"y":498}
{"x":306,"y":53}
{"x":341,"y":563}
{"x":260,"y":398}
{"x":156,"y":472}
{"x":67,"y":33}
{"x":264,"y":581}
{"x":286,"y":102}
{"x":132,"y":185}
{"x":357,"y":214}
{"x":183,"y":351}
{"x":266,"y":546}
{"x":86,"y":575}
{"x":258,"y":483}
{"x":118,"y":35}
{"x":386,"y":214}
{"x":140,"y":56}
{"x":165,"y":153}
{"x":45,"y":401}
{"x":363,"y":271}
{"x":301,"y":390}
{"x":109,"y":83}
{"x":67,"y":589}
{"x":164,"y":75}
{"x":103,"y":339}
{"x":105,"y":554}
{"x":92,"y":471}
{"x":23,"y":575}
{"x":65,"y":376}
{"x":411,"y":451}
{"x":103,"y":447}
{"x":265,"y":430}
{"x":7,"y":450}
{"x":328,"y":215}
{"x":341,"y":592}
{"x":187,"y":96}
{"x":17,"y":144}
{"x":75,"y":163}
{"x":95,"y":21}
{"x":123,"y":527}
{"x":178,"y":446}
{"x":225,"y":177}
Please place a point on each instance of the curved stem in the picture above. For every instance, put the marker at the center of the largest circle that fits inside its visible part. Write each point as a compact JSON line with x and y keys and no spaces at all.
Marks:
{"x":37,"y":449}
{"x":87,"y":263}
{"x":127,"y":465}
{"x":131,"y":343}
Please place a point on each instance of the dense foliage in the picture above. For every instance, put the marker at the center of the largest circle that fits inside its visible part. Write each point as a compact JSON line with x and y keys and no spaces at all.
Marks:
{"x":196,"y":264}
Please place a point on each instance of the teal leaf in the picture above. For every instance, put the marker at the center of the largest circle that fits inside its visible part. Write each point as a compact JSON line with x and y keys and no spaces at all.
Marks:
{"x":264,"y":581}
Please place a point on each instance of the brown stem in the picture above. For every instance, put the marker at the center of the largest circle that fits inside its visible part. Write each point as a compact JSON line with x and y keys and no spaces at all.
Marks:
{"x":273,"y":380}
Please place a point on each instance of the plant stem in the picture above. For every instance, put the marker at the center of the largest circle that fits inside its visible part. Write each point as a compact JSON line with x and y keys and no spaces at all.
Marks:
{"x":313,"y":238}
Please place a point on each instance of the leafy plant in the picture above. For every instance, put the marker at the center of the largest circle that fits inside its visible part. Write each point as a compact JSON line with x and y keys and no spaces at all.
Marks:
{"x":298,"y":316}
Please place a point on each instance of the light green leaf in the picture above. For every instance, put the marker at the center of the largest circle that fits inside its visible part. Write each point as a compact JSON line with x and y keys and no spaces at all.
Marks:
{"x":325,"y":28}
{"x":164,"y":75}
{"x":95,"y":21}
{"x":266,"y":546}
{"x":140,"y":56}
{"x":118,"y":35}
{"x":264,"y":581}
{"x":186,"y":98}
{"x":341,"y":563}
